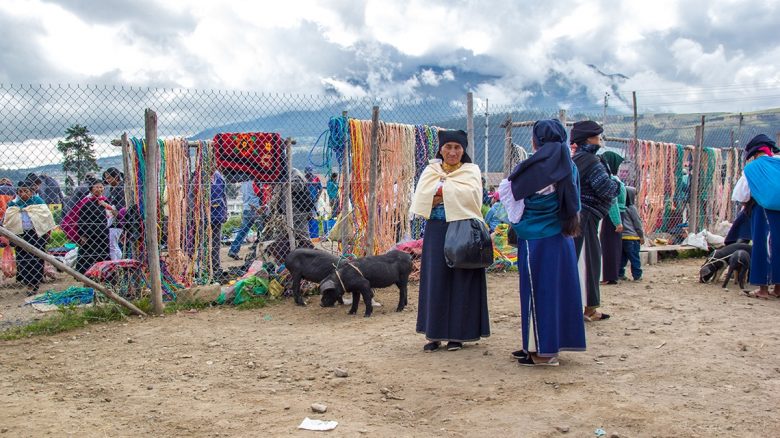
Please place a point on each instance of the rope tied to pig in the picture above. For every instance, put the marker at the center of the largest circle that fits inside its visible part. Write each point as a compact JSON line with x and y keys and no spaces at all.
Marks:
{"x":344,"y":288}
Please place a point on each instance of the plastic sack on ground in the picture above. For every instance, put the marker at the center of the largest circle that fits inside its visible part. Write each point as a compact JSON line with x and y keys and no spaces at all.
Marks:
{"x":697,"y":240}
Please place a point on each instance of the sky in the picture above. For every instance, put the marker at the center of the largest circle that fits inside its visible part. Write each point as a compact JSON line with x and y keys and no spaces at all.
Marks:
{"x":679,"y":56}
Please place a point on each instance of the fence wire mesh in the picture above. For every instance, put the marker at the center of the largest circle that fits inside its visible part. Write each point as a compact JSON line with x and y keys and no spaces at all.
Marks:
{"x":231,"y":195}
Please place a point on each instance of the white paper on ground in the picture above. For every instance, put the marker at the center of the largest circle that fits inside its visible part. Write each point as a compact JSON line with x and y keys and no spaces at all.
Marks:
{"x":309,"y":424}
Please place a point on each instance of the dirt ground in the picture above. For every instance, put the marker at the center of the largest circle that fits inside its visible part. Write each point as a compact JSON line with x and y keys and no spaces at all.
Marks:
{"x":677,"y":359}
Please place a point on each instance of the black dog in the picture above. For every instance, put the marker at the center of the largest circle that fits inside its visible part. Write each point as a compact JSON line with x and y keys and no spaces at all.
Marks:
{"x":712,"y":268}
{"x":739,"y":262}
{"x":359,"y":276}
{"x":310,"y":264}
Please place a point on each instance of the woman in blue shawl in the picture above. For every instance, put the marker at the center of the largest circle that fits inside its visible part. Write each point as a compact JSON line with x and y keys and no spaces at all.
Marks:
{"x":762,"y":173}
{"x":550,"y":298}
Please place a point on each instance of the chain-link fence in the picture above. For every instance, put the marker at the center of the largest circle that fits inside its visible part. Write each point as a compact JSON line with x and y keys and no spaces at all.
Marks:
{"x":243,"y":177}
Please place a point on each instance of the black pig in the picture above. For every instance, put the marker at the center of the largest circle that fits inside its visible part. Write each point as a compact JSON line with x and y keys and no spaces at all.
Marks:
{"x":310,"y":264}
{"x":359,"y":276}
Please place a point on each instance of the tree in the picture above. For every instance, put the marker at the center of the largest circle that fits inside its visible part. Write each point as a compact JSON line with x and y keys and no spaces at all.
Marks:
{"x":78,"y":152}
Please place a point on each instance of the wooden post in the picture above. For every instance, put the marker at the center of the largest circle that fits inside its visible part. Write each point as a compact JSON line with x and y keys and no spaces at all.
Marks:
{"x":150,"y":209}
{"x":562,"y":117}
{"x":288,"y":207}
{"x":693,"y":220}
{"x":470,"y":124}
{"x":21,"y":243}
{"x":507,"y":146}
{"x":372,"y":175}
{"x":344,"y":204}
{"x":126,"y":168}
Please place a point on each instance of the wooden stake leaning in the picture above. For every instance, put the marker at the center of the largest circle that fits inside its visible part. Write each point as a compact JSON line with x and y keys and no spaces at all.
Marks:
{"x":21,"y":243}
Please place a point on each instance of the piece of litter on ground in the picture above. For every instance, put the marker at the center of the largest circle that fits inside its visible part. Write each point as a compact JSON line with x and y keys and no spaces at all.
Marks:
{"x":309,"y":424}
{"x":661,"y":345}
{"x":600,"y":432}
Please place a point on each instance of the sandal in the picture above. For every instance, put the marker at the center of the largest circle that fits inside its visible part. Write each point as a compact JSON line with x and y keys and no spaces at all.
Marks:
{"x":519,"y":354}
{"x":454,"y":346}
{"x":756,"y":294}
{"x":529,"y":362}
{"x":596,"y":316}
{"x":431,"y":346}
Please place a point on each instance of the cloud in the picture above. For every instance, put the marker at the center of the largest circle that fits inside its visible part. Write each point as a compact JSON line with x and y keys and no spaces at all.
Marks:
{"x":519,"y":54}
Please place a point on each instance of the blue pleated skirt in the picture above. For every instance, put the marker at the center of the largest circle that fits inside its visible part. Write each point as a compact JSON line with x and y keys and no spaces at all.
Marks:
{"x":550,"y":298}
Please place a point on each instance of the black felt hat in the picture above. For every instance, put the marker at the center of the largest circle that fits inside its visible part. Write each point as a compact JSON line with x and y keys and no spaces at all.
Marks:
{"x":756,"y":142}
{"x":582,"y":131}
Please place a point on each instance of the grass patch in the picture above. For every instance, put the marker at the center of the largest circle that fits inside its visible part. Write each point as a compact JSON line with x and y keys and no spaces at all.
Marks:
{"x":71,"y":317}
{"x":252,"y":303}
{"x":66,"y":318}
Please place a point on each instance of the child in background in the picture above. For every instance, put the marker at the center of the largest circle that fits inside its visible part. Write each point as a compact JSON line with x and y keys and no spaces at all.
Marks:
{"x":632,"y":237}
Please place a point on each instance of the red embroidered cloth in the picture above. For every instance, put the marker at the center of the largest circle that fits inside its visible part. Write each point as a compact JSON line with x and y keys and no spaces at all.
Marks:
{"x":258,"y":155}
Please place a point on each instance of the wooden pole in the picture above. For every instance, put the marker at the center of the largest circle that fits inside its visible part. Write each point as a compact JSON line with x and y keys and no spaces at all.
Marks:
{"x":21,"y":243}
{"x":507,"y":146}
{"x":372,"y":175}
{"x":288,"y":195}
{"x":150,"y":209}
{"x":693,"y":220}
{"x":344,"y":204}
{"x":126,"y":168}
{"x":470,"y":124}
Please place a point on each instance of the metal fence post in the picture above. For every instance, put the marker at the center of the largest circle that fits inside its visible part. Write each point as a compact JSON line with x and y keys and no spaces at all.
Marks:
{"x":470,"y":123}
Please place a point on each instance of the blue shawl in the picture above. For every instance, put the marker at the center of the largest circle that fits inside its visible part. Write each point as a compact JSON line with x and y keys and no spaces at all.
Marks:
{"x":762,"y":175}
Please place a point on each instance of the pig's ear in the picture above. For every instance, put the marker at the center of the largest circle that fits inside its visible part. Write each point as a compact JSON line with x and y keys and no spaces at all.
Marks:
{"x":327,"y":284}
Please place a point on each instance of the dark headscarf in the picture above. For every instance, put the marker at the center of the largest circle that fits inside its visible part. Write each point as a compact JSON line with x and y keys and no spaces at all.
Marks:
{"x":113,"y":172}
{"x":550,"y":164}
{"x":25,"y":184}
{"x":630,"y":196}
{"x":582,"y":131}
{"x":757,"y":142}
{"x":91,"y":181}
{"x":459,"y":137}
{"x":612,"y":160}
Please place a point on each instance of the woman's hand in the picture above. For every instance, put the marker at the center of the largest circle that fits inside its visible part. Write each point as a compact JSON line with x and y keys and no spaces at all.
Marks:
{"x":437,"y":199}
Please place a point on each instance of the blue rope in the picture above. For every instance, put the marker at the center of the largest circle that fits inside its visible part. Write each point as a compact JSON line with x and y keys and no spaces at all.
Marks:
{"x":72,"y":295}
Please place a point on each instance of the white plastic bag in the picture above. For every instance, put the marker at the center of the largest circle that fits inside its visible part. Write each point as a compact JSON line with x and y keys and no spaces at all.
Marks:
{"x":697,"y":240}
{"x":713,"y":240}
{"x":70,"y":257}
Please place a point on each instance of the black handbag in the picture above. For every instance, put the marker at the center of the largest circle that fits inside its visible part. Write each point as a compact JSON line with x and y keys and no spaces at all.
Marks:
{"x":467,"y":245}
